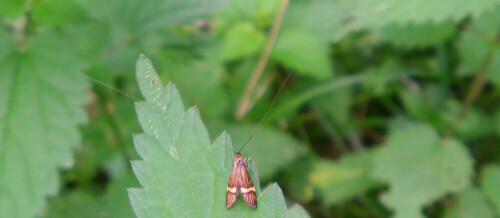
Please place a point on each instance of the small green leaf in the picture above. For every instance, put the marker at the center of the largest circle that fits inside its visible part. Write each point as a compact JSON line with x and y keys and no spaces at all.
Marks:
{"x":470,"y":203}
{"x":305,"y":52}
{"x":342,"y":180}
{"x":182,"y":173}
{"x":489,"y":185}
{"x":420,"y":168}
{"x":41,"y":106}
{"x":243,"y":40}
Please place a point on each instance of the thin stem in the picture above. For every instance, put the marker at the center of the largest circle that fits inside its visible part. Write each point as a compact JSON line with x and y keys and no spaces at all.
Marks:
{"x":475,"y":89}
{"x":244,"y":105}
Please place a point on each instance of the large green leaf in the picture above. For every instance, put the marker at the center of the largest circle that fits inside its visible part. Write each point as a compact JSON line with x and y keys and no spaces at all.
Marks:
{"x":182,"y":173}
{"x":420,"y":168}
{"x":271,"y":149}
{"x":470,"y":203}
{"x":41,"y":104}
{"x":344,"y":179}
{"x":489,"y":185}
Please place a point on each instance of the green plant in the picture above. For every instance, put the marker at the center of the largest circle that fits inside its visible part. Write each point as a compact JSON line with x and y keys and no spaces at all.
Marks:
{"x":392,"y":108}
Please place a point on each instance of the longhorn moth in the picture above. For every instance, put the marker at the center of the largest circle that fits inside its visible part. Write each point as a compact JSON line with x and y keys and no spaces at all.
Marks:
{"x":240,"y":181}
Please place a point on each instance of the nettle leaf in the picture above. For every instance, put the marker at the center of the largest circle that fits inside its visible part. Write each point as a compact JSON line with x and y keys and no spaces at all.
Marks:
{"x":378,"y":13}
{"x":470,"y":203}
{"x":271,"y":149}
{"x":420,"y":168}
{"x":342,"y":180}
{"x":411,"y":35}
{"x":182,"y":173}
{"x":489,"y":185}
{"x":305,"y":52}
{"x":41,"y":105}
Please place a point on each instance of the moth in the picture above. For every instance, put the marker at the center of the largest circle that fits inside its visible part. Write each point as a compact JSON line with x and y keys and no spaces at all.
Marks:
{"x":240,"y":182}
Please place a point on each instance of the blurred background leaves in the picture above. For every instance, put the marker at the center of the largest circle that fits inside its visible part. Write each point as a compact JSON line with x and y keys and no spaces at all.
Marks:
{"x":392,"y":108}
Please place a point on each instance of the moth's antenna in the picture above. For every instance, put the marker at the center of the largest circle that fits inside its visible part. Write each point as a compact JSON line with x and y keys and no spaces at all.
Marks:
{"x":268,"y":110}
{"x":108,"y":86}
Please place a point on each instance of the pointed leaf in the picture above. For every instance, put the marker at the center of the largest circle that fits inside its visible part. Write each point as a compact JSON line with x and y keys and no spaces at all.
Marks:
{"x":182,"y":173}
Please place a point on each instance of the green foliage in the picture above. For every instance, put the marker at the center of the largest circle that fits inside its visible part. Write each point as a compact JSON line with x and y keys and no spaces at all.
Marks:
{"x":12,"y":8}
{"x":271,"y":150}
{"x":392,"y":108}
{"x":177,"y":157}
{"x":422,"y":35}
{"x":382,"y":12}
{"x":416,"y":163}
{"x":297,"y":211}
{"x":489,"y":185}
{"x":470,"y":203}
{"x":39,"y":118}
{"x":478,"y":42}
{"x":83,"y":203}
{"x":243,"y":40}
{"x":344,"y":179}
{"x":302,"y":50}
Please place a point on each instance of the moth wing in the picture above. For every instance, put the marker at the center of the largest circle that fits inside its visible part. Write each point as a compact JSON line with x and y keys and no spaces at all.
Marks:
{"x":230,"y":199}
{"x":232,"y":188}
{"x":247,"y":188}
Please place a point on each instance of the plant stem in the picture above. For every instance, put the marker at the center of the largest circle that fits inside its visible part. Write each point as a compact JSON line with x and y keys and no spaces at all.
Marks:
{"x":244,"y":105}
{"x":475,"y":89}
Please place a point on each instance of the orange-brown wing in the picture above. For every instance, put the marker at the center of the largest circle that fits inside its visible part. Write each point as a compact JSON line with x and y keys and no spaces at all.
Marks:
{"x":247,"y":188}
{"x":232,"y":188}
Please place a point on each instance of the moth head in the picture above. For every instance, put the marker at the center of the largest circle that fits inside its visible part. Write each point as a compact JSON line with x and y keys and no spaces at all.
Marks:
{"x":238,"y":156}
